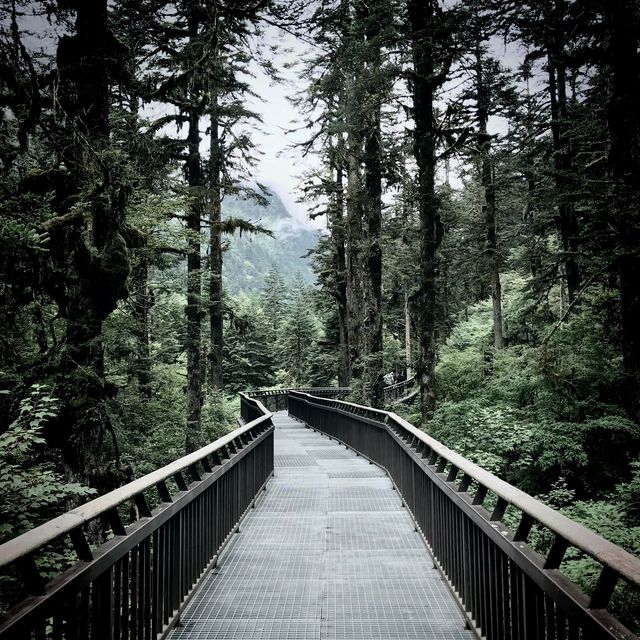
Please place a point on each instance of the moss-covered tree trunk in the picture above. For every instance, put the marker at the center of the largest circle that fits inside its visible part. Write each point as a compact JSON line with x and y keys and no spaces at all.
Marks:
{"x":487,"y":179}
{"x":562,"y":152}
{"x":215,"y":249}
{"x":372,"y":330}
{"x":407,"y":333}
{"x":193,"y":310}
{"x":355,"y":284}
{"x":142,"y":300}
{"x":87,"y":252}
{"x":338,"y":239}
{"x":421,"y":16}
{"x":623,"y":22}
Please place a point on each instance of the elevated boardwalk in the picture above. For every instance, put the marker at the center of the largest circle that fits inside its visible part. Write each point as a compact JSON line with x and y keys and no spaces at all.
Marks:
{"x":328,"y":552}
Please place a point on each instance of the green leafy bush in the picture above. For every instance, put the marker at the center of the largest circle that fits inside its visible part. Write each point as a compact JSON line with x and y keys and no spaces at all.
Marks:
{"x":495,"y":437}
{"x":32,"y":489}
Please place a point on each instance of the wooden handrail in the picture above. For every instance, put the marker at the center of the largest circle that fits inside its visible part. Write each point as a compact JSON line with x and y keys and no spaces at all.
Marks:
{"x":577,"y":535}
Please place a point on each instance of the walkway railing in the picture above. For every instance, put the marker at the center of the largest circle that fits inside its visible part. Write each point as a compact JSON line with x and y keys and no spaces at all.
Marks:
{"x":507,"y":590}
{"x":398,"y":390}
{"x":136,"y":584}
{"x":276,"y":399}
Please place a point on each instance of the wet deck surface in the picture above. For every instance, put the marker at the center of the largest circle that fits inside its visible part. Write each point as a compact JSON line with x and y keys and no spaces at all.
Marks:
{"x":328,"y":553}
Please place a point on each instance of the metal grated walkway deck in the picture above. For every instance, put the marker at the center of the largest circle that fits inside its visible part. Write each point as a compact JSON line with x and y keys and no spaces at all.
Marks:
{"x":328,"y":553}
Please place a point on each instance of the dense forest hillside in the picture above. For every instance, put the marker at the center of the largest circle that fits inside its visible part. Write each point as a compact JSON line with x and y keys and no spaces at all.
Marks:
{"x":248,"y":258}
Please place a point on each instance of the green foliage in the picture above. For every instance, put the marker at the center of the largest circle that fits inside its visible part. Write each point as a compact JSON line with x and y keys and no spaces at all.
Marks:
{"x":608,"y":518}
{"x":150,"y":430}
{"x":299,"y":333}
{"x":248,"y":359}
{"x":495,"y":437}
{"x":219,"y":415}
{"x":535,"y":414}
{"x":630,"y":494}
{"x":32,"y":489}
{"x":393,"y":353}
{"x":550,"y":413}
{"x":321,"y":366}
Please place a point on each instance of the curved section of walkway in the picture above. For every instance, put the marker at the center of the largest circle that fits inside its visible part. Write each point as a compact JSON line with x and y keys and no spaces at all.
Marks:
{"x":328,"y":553}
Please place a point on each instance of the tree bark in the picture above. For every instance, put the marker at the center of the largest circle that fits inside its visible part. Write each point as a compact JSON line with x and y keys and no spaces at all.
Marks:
{"x":563,"y":161}
{"x":193,"y":310}
{"x":215,"y":249}
{"x":421,"y":18}
{"x":88,"y":254}
{"x":407,"y":332}
{"x":353,"y":257}
{"x":338,"y":237}
{"x":142,"y":301}
{"x":372,"y":333}
{"x":487,"y":180}
{"x":623,"y":114}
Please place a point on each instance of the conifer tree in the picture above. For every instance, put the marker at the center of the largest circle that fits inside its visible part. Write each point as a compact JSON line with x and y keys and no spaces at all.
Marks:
{"x":432,"y":53}
{"x":274,"y":297}
{"x":622,"y":23}
{"x":81,"y":171}
{"x":353,"y":87}
{"x":231,"y":152}
{"x":248,"y":363}
{"x":298,"y":335}
{"x":489,"y":92}
{"x":198,"y":50}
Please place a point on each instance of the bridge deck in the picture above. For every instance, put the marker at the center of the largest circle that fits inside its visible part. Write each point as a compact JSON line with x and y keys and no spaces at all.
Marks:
{"x":328,"y":552}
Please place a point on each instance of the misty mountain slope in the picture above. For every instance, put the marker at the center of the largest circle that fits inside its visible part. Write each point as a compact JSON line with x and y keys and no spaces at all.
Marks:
{"x":249,"y":257}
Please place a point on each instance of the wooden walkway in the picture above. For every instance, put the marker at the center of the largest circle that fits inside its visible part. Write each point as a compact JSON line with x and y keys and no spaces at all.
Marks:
{"x":328,"y":552}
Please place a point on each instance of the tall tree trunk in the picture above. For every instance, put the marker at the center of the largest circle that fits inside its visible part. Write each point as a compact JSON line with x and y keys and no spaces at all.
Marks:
{"x":529,"y":215}
{"x":487,"y":180}
{"x":338,"y":237}
{"x":88,"y":253}
{"x":142,"y":301}
{"x":407,"y":332}
{"x":623,"y":21}
{"x":373,"y":211}
{"x":215,"y":249}
{"x":193,"y":310}
{"x":563,"y":165}
{"x":421,"y":20}
{"x":353,"y":257}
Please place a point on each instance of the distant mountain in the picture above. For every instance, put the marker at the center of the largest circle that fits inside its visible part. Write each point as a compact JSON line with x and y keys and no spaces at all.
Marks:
{"x":249,"y":257}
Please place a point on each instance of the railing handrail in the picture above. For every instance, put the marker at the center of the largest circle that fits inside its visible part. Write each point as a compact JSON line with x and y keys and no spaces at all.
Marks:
{"x":579,"y":536}
{"x":284,"y":390}
{"x":395,"y":385}
{"x":36,"y":538}
{"x":594,"y":545}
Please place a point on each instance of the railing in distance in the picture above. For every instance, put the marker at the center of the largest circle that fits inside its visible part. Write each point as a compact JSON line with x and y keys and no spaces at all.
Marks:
{"x":506,"y":589}
{"x":276,"y":399}
{"x":398,"y":390}
{"x":135,"y":584}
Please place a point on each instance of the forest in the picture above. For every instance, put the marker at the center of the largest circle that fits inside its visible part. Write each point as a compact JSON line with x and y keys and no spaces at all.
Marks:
{"x":475,"y":176}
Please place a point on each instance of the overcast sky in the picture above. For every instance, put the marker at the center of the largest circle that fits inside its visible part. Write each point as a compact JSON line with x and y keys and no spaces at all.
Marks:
{"x":280,"y":167}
